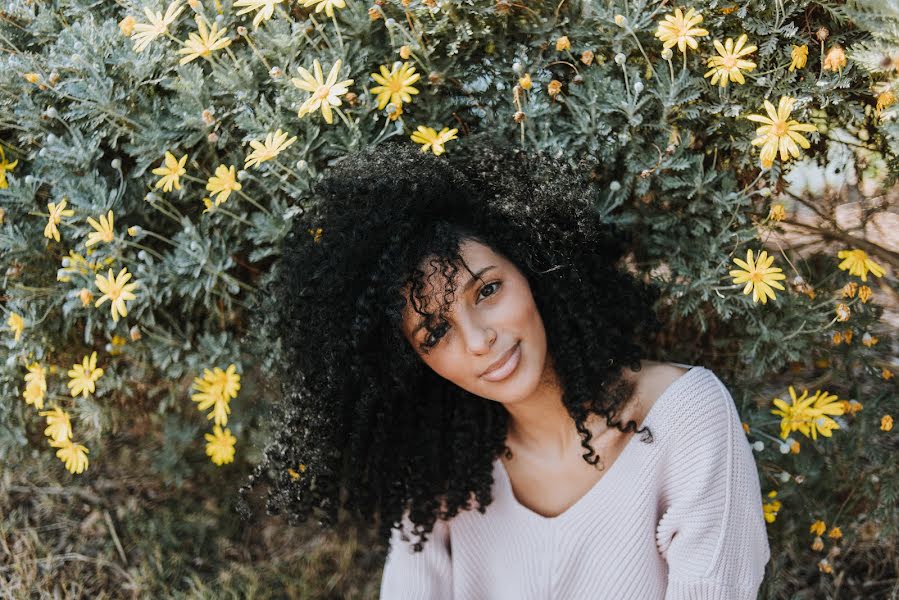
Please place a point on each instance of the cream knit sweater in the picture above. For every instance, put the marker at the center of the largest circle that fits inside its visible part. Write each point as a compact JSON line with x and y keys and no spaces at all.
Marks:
{"x":679,"y":518}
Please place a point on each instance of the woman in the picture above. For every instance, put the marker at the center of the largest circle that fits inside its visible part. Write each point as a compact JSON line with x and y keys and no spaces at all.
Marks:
{"x":463,"y":363}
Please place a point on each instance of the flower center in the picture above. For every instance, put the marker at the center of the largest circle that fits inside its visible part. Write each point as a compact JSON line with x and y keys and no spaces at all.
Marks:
{"x":780,"y":128}
{"x":729,"y":62}
{"x":322,"y":92}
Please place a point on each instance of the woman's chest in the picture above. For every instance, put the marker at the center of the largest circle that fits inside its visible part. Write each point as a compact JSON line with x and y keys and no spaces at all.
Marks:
{"x":551,"y":488}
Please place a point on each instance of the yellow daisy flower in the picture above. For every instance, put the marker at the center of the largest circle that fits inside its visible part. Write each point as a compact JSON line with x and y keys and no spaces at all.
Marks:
{"x":266,"y":9}
{"x":843,"y":314}
{"x":83,"y":377}
{"x":779,"y":132}
{"x":103,"y":233}
{"x":171,"y":172}
{"x":117,"y":291}
{"x":59,"y":427}
{"x":679,"y":29}
{"x":758,"y":275}
{"x":858,"y":263}
{"x":884,"y":99}
{"x":5,"y":166}
{"x":57,"y":212}
{"x":220,"y":445}
{"x":864,"y":294}
{"x":73,"y":455}
{"x":325,"y":5}
{"x":886,"y":423}
{"x":275,"y":143}
{"x":203,"y":42}
{"x":33,"y":395}
{"x":432,"y":140}
{"x":35,"y":385}
{"x":215,"y":389}
{"x":770,"y":509}
{"x":818,"y":527}
{"x":795,"y":416}
{"x":728,"y":65}
{"x":142,"y":34}
{"x":126,"y":25}
{"x":325,"y":94}
{"x":396,"y":84}
{"x":223,"y":183}
{"x":835,"y":59}
{"x":825,"y":404}
{"x":16,"y":324}
{"x":798,"y":56}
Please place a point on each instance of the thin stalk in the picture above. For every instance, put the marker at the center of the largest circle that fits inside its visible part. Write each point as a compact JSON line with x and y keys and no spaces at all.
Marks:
{"x":339,"y":36}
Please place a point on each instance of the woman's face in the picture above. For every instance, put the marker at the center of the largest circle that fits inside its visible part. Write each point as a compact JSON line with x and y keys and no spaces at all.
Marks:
{"x":493,"y":317}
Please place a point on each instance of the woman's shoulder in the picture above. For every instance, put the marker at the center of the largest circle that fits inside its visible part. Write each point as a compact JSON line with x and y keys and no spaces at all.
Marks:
{"x":697,"y":402}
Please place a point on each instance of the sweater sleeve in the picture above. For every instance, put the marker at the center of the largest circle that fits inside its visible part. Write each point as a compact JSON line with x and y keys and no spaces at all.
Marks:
{"x":712,"y":531}
{"x":425,"y":575}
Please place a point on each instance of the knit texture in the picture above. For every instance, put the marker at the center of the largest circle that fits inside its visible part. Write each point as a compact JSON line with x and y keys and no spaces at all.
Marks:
{"x":678,"y":518}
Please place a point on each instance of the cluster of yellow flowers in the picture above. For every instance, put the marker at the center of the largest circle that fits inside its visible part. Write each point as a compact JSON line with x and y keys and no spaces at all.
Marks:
{"x":771,"y":507}
{"x":761,"y":278}
{"x":215,"y":389}
{"x":224,"y":181}
{"x":778,"y":132}
{"x":114,"y":288}
{"x":325,"y":93}
{"x":83,"y":378}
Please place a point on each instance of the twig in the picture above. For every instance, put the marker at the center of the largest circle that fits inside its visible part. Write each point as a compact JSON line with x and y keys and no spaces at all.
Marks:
{"x":115,"y":537}
{"x":837,"y":234}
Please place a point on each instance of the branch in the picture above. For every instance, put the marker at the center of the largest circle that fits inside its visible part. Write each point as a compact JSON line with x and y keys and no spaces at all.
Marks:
{"x":837,"y":234}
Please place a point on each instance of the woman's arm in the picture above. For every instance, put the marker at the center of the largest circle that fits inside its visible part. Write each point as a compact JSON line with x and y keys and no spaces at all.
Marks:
{"x":712,"y":532}
{"x":425,"y":575}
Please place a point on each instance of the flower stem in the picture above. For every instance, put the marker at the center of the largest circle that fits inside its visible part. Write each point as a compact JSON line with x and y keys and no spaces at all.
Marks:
{"x":339,"y":36}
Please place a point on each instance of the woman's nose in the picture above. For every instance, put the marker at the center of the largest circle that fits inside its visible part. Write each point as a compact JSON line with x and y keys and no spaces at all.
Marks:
{"x":479,"y":338}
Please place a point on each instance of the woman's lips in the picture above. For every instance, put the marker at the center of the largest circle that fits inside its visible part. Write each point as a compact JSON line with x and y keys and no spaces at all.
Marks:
{"x":506,"y":368}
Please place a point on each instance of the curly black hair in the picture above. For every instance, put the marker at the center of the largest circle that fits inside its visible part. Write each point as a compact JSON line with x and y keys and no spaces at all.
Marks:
{"x":365,"y":425}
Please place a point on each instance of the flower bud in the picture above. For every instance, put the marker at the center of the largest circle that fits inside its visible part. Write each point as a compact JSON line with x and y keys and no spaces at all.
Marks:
{"x":241,"y":30}
{"x":822,"y":34}
{"x":638,"y":87}
{"x":667,"y":54}
{"x":51,"y":112}
{"x":116,"y":163}
{"x":620,"y":58}
{"x":621,"y":20}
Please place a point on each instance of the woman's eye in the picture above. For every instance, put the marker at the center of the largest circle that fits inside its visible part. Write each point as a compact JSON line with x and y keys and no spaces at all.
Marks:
{"x":430,"y":344}
{"x":432,"y":340}
{"x":493,"y":285}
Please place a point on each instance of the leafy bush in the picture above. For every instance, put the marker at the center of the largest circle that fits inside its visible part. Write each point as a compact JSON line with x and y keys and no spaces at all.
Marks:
{"x":155,"y":155}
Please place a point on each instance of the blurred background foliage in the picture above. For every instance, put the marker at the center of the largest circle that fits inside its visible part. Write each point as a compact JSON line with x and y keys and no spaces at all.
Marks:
{"x":129,"y":131}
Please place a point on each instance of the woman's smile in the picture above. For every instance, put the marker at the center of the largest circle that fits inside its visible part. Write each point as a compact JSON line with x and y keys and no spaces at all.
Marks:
{"x":506,"y":366}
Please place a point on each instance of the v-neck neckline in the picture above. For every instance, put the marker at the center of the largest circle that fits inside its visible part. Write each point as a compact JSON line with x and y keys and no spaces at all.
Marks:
{"x":610,"y":470}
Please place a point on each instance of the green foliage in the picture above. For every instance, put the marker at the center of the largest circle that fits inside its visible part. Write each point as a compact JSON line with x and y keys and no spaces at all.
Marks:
{"x":88,"y":118}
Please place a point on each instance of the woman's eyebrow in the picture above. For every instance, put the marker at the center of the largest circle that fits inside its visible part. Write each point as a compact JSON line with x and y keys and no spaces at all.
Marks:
{"x":468,"y":285}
